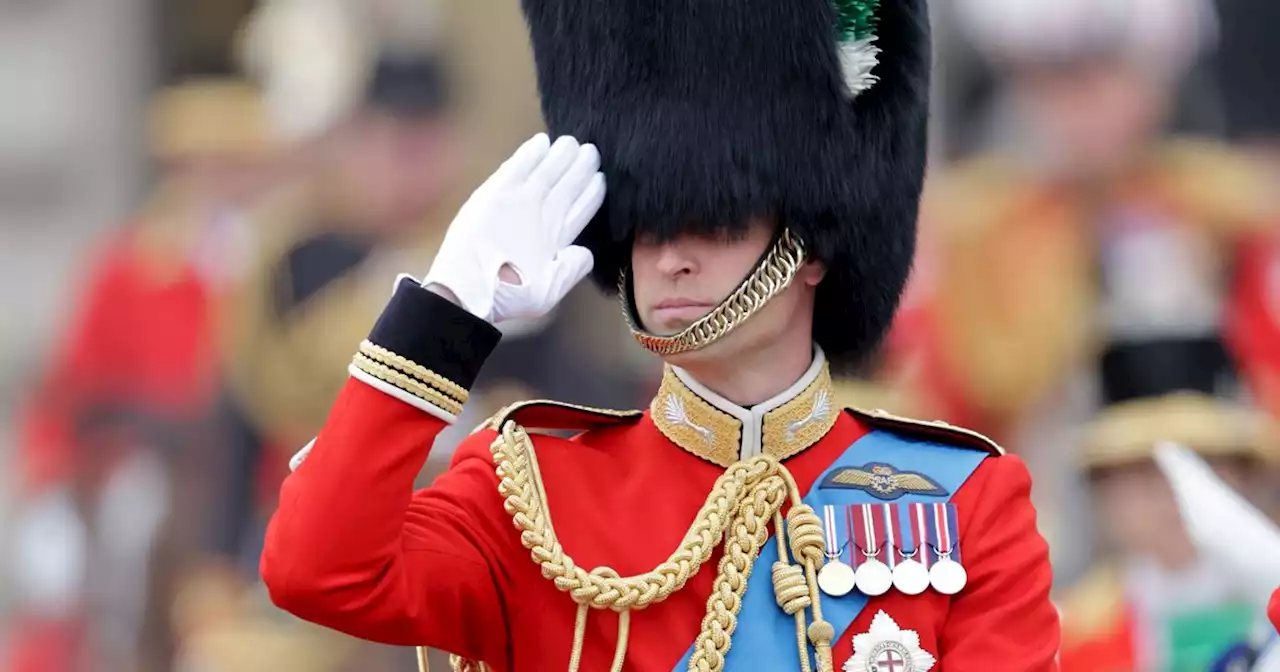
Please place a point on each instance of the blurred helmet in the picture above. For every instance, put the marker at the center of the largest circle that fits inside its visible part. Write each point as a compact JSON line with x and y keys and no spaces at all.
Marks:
{"x":209,"y":116}
{"x":311,"y":57}
{"x":1166,"y":35}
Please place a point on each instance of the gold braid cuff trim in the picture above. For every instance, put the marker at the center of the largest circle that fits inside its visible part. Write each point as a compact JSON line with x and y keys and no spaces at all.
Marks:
{"x":388,"y":358}
{"x":456,"y":663}
{"x":407,"y":383}
{"x":737,"y":512}
{"x":774,"y":273}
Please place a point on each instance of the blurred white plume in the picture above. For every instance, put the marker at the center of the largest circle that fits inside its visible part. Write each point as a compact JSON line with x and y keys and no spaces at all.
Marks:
{"x":311,"y":58}
{"x":1222,"y":524}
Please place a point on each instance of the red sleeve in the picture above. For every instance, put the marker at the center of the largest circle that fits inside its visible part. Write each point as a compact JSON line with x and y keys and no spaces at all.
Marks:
{"x":1273,"y":610}
{"x":1003,"y":620}
{"x":354,"y":548}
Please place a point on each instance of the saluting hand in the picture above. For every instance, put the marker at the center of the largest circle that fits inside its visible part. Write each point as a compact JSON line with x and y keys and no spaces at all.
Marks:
{"x":509,"y":253}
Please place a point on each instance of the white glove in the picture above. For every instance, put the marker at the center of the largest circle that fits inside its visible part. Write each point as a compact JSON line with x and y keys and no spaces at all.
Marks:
{"x":526,"y":216}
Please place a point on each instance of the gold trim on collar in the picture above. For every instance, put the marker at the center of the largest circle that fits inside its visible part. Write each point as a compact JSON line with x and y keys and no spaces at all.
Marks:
{"x":721,"y":436}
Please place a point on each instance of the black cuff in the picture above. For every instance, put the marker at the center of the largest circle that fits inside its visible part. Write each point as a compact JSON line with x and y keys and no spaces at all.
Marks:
{"x":433,"y":332}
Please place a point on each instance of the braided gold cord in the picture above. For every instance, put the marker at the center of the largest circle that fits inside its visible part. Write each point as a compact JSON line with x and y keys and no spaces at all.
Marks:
{"x":460,"y":664}
{"x":384,"y":356}
{"x":407,"y":383}
{"x":774,"y":273}
{"x":740,"y":506}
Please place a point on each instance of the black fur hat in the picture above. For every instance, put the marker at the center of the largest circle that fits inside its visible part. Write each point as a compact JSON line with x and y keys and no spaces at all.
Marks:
{"x":709,"y":112}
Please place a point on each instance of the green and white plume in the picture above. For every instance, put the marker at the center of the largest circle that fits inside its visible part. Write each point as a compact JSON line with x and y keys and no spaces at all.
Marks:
{"x":856,"y":23}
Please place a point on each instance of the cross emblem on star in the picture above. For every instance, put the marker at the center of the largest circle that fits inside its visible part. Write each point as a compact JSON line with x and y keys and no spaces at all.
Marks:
{"x":888,"y":648}
{"x":891,"y":661}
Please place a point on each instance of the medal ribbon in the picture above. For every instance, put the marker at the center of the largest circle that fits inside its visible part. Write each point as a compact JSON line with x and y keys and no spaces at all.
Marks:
{"x":953,"y":529}
{"x":851,"y":533}
{"x":920,"y":526}
{"x":870,"y":531}
{"x":907,"y":539}
{"x":890,"y":526}
{"x":944,"y":533}
{"x":829,"y":524}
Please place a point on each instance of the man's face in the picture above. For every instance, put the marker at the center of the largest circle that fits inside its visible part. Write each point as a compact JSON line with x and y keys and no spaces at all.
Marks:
{"x":1139,"y":513}
{"x":229,"y":180}
{"x":393,"y":170}
{"x":678,"y":282}
{"x":1094,"y":117}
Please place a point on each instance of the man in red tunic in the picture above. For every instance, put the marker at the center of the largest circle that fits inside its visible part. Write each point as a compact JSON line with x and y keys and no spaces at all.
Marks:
{"x":764,"y":164}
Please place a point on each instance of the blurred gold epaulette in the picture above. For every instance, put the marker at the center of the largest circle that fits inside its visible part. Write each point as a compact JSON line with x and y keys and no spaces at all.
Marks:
{"x":543,"y":414}
{"x":1217,"y":184}
{"x":1093,"y":606}
{"x":971,"y":197}
{"x":929,"y":430}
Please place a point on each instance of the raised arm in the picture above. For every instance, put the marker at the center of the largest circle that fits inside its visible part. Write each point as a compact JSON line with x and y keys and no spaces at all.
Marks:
{"x":1003,"y":621}
{"x":352,"y":546}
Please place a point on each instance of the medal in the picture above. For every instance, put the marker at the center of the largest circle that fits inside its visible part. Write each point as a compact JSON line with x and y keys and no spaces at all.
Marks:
{"x":910,"y":576}
{"x":947,"y":575}
{"x":873,"y":577}
{"x":835,"y":578}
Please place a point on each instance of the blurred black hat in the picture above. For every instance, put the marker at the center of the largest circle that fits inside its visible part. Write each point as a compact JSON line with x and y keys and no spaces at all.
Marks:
{"x":710,"y":112}
{"x":1182,"y":390}
{"x":413,"y":85}
{"x":1248,"y":59}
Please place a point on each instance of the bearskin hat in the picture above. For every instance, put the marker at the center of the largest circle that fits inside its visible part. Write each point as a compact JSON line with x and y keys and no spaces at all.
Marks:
{"x":710,"y":112}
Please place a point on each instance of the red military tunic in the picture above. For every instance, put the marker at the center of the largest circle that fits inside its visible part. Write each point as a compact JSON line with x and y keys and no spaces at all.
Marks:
{"x":354,"y":548}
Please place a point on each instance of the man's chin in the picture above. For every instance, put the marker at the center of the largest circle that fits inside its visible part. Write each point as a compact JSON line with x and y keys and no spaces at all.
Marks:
{"x":672,"y":327}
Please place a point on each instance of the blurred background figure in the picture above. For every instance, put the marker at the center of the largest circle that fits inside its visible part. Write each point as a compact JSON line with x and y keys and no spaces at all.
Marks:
{"x":1088,"y":220}
{"x":369,"y":193}
{"x":203,"y":203}
{"x":128,"y":386}
{"x":1153,"y":602}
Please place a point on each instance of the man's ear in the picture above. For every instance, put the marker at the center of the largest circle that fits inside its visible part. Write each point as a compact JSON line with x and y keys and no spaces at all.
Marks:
{"x":812,"y":272}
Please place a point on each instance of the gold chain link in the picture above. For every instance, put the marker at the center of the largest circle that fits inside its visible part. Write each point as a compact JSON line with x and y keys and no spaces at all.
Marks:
{"x":774,"y":274}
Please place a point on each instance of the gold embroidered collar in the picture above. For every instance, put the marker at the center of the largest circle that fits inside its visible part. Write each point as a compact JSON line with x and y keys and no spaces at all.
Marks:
{"x":719,"y":431}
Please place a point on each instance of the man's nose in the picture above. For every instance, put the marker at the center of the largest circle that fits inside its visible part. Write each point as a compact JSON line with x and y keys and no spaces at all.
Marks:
{"x":674,"y":261}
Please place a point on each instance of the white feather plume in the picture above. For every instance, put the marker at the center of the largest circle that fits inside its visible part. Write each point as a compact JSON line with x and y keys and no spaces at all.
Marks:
{"x":858,"y":60}
{"x":1223,"y":525}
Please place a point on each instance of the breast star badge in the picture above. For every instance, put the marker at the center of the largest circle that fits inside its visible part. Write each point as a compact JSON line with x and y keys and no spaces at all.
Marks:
{"x":882,"y":481}
{"x":888,"y":648}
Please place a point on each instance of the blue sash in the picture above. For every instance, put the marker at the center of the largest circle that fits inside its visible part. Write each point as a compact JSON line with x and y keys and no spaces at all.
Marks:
{"x":766,"y":636}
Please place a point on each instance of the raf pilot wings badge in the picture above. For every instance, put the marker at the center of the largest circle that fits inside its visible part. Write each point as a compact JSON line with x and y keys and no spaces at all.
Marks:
{"x":882,"y":481}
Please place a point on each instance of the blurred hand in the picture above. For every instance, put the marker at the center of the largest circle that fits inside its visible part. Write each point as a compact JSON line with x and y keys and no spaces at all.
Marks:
{"x":509,"y":253}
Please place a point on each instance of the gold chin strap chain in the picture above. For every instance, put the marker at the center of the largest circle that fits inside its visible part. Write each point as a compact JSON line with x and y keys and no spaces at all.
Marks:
{"x":743,"y":501}
{"x":773,"y":274}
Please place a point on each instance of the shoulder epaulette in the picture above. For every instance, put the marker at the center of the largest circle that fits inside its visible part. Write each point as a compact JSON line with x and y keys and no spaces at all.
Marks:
{"x":548,"y":415}
{"x":1092,"y":606}
{"x":932,"y":430}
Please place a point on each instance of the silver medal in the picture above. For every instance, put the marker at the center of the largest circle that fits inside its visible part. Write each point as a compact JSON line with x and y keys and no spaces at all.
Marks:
{"x":910,"y":577}
{"x":948,"y":576}
{"x":836,"y":578}
{"x":874,"y":577}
